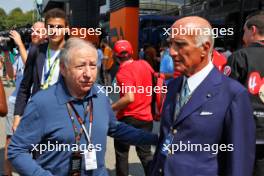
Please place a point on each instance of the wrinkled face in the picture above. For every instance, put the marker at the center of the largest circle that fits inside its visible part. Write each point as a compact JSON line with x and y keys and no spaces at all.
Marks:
{"x":39,"y":33}
{"x":248,"y":36}
{"x":56,"y":29}
{"x":187,"y":57}
{"x":80,"y":73}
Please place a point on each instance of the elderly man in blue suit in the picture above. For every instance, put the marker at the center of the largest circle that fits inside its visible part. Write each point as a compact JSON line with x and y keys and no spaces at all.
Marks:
{"x":207,"y":128}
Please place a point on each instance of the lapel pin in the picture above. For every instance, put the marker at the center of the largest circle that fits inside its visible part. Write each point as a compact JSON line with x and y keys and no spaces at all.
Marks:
{"x":208,"y":95}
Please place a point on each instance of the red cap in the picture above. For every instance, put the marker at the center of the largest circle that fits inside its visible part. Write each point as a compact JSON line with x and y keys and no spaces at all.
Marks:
{"x":123,"y":48}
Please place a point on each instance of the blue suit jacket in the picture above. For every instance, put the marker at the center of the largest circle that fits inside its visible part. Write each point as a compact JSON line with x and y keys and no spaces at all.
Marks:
{"x":219,"y":112}
{"x":32,"y":77}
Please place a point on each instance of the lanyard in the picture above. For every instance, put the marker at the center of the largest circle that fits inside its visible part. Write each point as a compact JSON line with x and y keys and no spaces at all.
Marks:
{"x":89,"y":108}
{"x":48,"y":74}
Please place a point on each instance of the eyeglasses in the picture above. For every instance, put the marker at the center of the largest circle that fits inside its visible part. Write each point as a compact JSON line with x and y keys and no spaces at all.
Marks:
{"x":55,"y":26}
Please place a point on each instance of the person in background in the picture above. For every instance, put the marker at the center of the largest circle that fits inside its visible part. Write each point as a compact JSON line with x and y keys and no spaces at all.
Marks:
{"x":38,"y":36}
{"x":8,"y":62}
{"x":150,"y":55}
{"x":107,"y":63}
{"x":219,"y":60}
{"x":18,"y":68}
{"x":227,"y":51}
{"x":1,"y":63}
{"x":99,"y":61}
{"x":166,"y":63}
{"x":141,"y":53}
{"x":133,"y":108}
{"x":42,"y":66}
{"x":246,"y":66}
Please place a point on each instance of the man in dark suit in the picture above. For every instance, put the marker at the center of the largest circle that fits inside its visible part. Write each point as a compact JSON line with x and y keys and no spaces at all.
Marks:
{"x":207,"y":127}
{"x":42,"y":65}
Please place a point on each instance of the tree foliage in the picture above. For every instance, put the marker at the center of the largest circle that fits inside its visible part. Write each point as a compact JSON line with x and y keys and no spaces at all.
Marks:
{"x":2,"y":19}
{"x":16,"y":18}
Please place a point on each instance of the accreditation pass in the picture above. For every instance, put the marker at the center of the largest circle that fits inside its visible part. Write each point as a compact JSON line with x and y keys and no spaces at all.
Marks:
{"x":90,"y":159}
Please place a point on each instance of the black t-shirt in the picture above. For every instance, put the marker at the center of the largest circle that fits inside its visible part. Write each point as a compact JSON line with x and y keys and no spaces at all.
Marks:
{"x":247,"y":66}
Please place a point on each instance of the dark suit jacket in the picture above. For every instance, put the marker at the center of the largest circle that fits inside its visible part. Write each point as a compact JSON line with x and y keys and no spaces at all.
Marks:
{"x":219,"y":112}
{"x":32,"y":77}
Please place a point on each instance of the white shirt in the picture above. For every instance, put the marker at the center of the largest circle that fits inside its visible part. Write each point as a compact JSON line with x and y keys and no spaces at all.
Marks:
{"x":195,"y":80}
{"x":54,"y":74}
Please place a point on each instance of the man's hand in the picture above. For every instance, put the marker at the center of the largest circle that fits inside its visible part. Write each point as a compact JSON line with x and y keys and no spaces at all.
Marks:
{"x":22,"y":49}
{"x":123,"y":102}
{"x":16,"y":122}
{"x":16,"y":37}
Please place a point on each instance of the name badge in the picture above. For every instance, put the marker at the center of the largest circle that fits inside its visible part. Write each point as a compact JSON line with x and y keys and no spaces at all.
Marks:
{"x":90,"y":159}
{"x":166,"y":146}
{"x":76,"y":164}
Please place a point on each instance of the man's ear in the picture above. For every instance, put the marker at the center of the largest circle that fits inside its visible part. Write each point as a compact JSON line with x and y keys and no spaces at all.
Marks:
{"x":62,"y":69}
{"x":254,"y":30}
{"x":205,"y":48}
{"x":67,"y":27}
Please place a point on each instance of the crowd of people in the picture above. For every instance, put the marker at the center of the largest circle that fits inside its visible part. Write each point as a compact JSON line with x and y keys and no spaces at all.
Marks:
{"x":211,"y":117}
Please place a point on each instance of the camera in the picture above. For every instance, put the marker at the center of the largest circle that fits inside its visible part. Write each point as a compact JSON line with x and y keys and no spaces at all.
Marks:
{"x":7,"y":43}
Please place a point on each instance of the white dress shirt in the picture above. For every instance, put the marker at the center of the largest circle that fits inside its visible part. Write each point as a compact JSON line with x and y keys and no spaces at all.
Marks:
{"x":195,"y":80}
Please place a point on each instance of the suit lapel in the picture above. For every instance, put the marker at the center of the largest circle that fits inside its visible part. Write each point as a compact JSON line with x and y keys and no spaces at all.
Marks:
{"x":175,"y":89}
{"x":41,"y":59}
{"x":204,"y":92}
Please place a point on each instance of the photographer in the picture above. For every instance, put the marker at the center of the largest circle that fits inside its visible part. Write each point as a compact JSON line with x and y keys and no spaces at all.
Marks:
{"x":18,"y":69}
{"x":37,"y":37}
{"x":18,"y":41}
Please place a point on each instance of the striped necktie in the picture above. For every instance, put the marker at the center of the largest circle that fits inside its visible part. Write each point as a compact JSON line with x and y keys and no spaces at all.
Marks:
{"x":183,"y":98}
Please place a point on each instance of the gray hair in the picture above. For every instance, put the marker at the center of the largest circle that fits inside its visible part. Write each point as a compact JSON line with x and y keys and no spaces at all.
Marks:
{"x":71,"y":45}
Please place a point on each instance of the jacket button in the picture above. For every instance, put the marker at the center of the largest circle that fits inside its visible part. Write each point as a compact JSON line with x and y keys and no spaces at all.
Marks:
{"x":160,"y":170}
{"x":208,"y":95}
{"x":175,"y":131}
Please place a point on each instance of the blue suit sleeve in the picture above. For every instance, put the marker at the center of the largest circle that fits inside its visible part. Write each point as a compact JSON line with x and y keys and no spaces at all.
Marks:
{"x":129,"y":134}
{"x":29,"y":133}
{"x":240,"y":131}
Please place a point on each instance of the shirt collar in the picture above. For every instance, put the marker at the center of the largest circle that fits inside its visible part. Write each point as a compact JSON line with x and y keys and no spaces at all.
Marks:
{"x":259,"y":43}
{"x":195,"y":80}
{"x":127,"y":62}
{"x":63,"y":95}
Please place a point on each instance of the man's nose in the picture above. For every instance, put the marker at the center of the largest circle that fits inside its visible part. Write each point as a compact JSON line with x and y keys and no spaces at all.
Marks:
{"x":173,"y":51}
{"x":87,"y":71}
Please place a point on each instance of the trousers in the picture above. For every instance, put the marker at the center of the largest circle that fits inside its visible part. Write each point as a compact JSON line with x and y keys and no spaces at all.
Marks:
{"x":122,"y":149}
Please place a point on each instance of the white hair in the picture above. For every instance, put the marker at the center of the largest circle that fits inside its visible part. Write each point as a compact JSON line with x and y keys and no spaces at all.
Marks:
{"x":204,"y":37}
{"x":72,"y":45}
